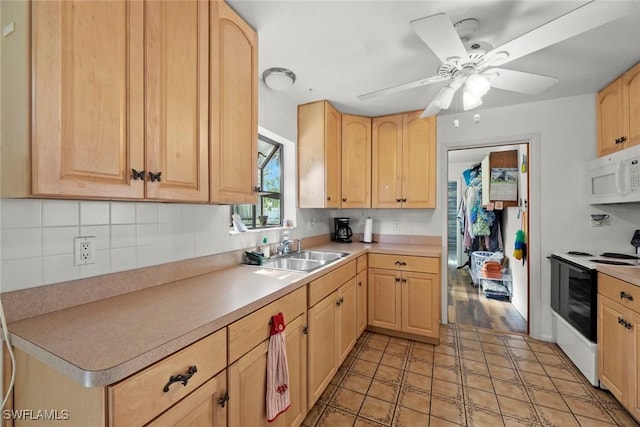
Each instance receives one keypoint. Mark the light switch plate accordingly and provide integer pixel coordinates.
(8, 29)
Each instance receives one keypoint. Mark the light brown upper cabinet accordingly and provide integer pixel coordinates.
(404, 161)
(356, 162)
(233, 107)
(618, 113)
(319, 152)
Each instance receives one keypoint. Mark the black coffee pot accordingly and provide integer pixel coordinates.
(343, 232)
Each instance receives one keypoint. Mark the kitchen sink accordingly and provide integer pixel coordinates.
(318, 255)
(304, 261)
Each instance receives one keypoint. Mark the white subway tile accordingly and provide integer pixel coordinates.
(21, 274)
(123, 259)
(147, 213)
(101, 266)
(188, 212)
(123, 213)
(60, 213)
(59, 268)
(58, 240)
(123, 236)
(100, 232)
(21, 243)
(21, 213)
(204, 213)
(94, 213)
(152, 255)
(169, 213)
(146, 234)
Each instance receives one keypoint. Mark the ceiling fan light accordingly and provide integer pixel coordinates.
(278, 78)
(469, 102)
(445, 96)
(477, 85)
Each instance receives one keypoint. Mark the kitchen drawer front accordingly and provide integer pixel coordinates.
(141, 397)
(361, 263)
(619, 291)
(251, 330)
(405, 263)
(325, 285)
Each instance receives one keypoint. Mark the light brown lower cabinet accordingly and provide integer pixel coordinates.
(361, 302)
(248, 382)
(619, 340)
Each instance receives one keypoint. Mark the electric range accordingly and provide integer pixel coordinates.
(591, 260)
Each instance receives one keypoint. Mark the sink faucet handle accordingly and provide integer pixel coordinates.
(299, 248)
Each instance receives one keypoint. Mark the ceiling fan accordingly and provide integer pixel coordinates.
(477, 69)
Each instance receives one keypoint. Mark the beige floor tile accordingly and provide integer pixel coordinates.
(375, 345)
(470, 344)
(347, 400)
(370, 355)
(555, 418)
(475, 367)
(439, 422)
(445, 360)
(491, 338)
(550, 359)
(377, 410)
(495, 349)
(481, 399)
(447, 349)
(314, 415)
(477, 417)
(481, 382)
(447, 374)
(570, 388)
(550, 399)
(399, 349)
(420, 367)
(447, 340)
(388, 374)
(511, 422)
(449, 410)
(562, 373)
(356, 382)
(400, 341)
(394, 360)
(364, 367)
(587, 408)
(619, 415)
(417, 382)
(537, 381)
(517, 409)
(520, 354)
(405, 417)
(468, 334)
(542, 347)
(333, 417)
(590, 422)
(414, 399)
(499, 360)
(423, 345)
(529, 366)
(516, 343)
(339, 376)
(506, 374)
(448, 329)
(379, 337)
(421, 354)
(446, 389)
(327, 394)
(363, 422)
(384, 391)
(513, 389)
(475, 355)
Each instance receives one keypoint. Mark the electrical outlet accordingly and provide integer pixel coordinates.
(396, 224)
(85, 250)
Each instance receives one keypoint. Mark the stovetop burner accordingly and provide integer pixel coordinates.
(579, 253)
(619, 256)
(610, 262)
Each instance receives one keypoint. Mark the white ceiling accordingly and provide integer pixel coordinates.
(342, 49)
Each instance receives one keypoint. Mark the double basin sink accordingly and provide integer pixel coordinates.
(304, 261)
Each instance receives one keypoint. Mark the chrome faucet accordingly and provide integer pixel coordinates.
(299, 248)
(284, 248)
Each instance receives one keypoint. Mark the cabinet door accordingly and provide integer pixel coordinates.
(614, 341)
(248, 382)
(177, 89)
(386, 152)
(356, 161)
(420, 304)
(347, 295)
(199, 409)
(233, 107)
(634, 374)
(333, 154)
(418, 161)
(384, 298)
(610, 118)
(88, 98)
(631, 81)
(322, 352)
(361, 302)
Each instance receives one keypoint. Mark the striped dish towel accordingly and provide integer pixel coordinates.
(278, 399)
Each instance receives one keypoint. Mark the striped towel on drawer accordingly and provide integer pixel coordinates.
(278, 399)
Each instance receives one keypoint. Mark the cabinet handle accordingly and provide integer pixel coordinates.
(137, 175)
(305, 329)
(397, 263)
(623, 139)
(624, 323)
(398, 200)
(339, 302)
(359, 283)
(397, 279)
(624, 295)
(184, 379)
(617, 140)
(224, 399)
(328, 198)
(344, 199)
(256, 189)
(155, 177)
(404, 280)
(404, 200)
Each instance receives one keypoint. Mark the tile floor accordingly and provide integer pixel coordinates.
(475, 377)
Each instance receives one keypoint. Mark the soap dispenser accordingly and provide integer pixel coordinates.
(265, 248)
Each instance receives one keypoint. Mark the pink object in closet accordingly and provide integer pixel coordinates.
(278, 399)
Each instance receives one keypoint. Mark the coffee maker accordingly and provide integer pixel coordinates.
(343, 232)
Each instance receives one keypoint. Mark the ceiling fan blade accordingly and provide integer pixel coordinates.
(438, 33)
(518, 81)
(402, 87)
(586, 17)
(431, 110)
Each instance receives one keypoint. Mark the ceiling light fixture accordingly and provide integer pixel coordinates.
(278, 78)
(445, 96)
(469, 102)
(477, 85)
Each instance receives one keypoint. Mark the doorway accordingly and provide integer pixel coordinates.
(497, 299)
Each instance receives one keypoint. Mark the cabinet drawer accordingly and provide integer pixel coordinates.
(320, 288)
(251, 330)
(619, 291)
(405, 262)
(361, 263)
(140, 398)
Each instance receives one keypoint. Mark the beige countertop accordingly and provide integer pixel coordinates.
(103, 342)
(626, 273)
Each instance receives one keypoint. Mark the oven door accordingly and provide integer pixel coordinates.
(574, 293)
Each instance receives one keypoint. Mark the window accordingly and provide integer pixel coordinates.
(268, 212)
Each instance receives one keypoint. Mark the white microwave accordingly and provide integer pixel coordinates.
(615, 178)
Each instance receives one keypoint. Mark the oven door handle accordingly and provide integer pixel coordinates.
(624, 295)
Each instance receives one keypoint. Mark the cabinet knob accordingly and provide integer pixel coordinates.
(328, 198)
(137, 175)
(155, 176)
(404, 200)
(184, 379)
(623, 139)
(344, 199)
(223, 399)
(624, 295)
(397, 279)
(359, 283)
(404, 280)
(398, 200)
(256, 189)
